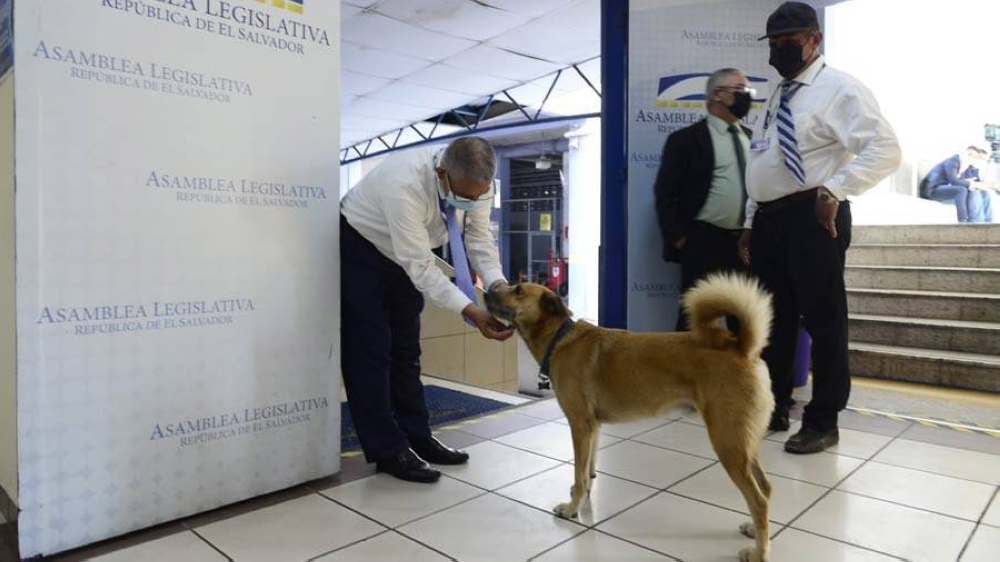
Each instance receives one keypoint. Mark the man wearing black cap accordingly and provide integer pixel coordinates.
(823, 139)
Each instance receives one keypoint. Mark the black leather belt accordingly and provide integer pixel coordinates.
(779, 204)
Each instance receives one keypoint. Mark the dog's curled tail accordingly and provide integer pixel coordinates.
(734, 294)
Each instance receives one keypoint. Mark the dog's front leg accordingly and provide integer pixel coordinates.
(582, 443)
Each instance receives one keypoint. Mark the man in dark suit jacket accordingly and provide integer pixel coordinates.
(700, 188)
(956, 180)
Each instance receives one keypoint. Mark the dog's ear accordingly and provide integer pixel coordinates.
(552, 304)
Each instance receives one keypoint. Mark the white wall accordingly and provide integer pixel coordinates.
(583, 170)
(8, 341)
(931, 73)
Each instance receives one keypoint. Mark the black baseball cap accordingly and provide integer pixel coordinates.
(791, 17)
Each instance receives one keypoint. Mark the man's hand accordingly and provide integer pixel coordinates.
(826, 210)
(681, 242)
(490, 327)
(744, 246)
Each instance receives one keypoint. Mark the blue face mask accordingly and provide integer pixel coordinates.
(461, 204)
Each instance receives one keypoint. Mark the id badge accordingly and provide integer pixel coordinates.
(760, 145)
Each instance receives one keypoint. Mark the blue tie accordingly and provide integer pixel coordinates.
(786, 133)
(463, 277)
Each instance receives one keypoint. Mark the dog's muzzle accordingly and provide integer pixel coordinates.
(496, 307)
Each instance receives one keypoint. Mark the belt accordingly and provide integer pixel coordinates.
(779, 204)
(717, 229)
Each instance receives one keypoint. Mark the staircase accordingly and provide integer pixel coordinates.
(924, 304)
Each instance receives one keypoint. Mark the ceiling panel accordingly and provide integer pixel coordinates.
(420, 96)
(533, 8)
(379, 63)
(457, 18)
(583, 16)
(558, 44)
(357, 84)
(403, 61)
(459, 80)
(375, 30)
(502, 63)
(368, 107)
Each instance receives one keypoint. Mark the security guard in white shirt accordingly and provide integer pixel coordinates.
(390, 223)
(823, 139)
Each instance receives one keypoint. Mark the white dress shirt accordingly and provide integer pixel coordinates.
(397, 207)
(845, 142)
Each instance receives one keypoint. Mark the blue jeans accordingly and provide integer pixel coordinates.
(980, 206)
(957, 195)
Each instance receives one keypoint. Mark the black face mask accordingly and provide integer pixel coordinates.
(787, 60)
(741, 105)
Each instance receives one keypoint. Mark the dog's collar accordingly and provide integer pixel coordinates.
(543, 371)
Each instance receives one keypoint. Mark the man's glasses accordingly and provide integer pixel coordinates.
(488, 196)
(739, 89)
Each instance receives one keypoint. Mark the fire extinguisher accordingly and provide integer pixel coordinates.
(558, 274)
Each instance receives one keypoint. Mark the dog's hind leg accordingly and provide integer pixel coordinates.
(583, 441)
(761, 477)
(593, 451)
(739, 463)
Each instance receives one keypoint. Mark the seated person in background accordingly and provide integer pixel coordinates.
(956, 181)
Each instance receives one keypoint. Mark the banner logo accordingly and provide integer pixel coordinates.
(687, 91)
(294, 6)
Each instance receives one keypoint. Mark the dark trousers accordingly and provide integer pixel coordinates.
(380, 348)
(708, 249)
(803, 267)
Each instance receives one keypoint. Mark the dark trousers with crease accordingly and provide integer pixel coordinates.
(380, 348)
(708, 249)
(802, 266)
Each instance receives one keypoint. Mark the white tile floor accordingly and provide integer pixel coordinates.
(660, 495)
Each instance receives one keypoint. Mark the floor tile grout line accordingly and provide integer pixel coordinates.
(838, 483)
(994, 498)
(979, 523)
(623, 539)
(483, 492)
(349, 545)
(963, 479)
(558, 544)
(423, 544)
(208, 542)
(908, 506)
(845, 542)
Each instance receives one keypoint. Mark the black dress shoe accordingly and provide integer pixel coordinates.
(408, 466)
(435, 452)
(779, 421)
(808, 441)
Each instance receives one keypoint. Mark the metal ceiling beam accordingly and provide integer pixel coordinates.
(469, 119)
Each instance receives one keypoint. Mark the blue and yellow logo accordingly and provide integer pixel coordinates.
(294, 6)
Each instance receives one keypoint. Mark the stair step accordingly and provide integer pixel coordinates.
(923, 278)
(935, 255)
(927, 333)
(940, 305)
(971, 371)
(927, 234)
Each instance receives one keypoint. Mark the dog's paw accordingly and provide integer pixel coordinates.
(748, 530)
(750, 554)
(565, 510)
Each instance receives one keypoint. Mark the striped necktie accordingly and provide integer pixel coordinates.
(786, 133)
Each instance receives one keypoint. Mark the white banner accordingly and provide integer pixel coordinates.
(177, 258)
(672, 51)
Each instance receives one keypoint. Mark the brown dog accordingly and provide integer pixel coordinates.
(601, 375)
